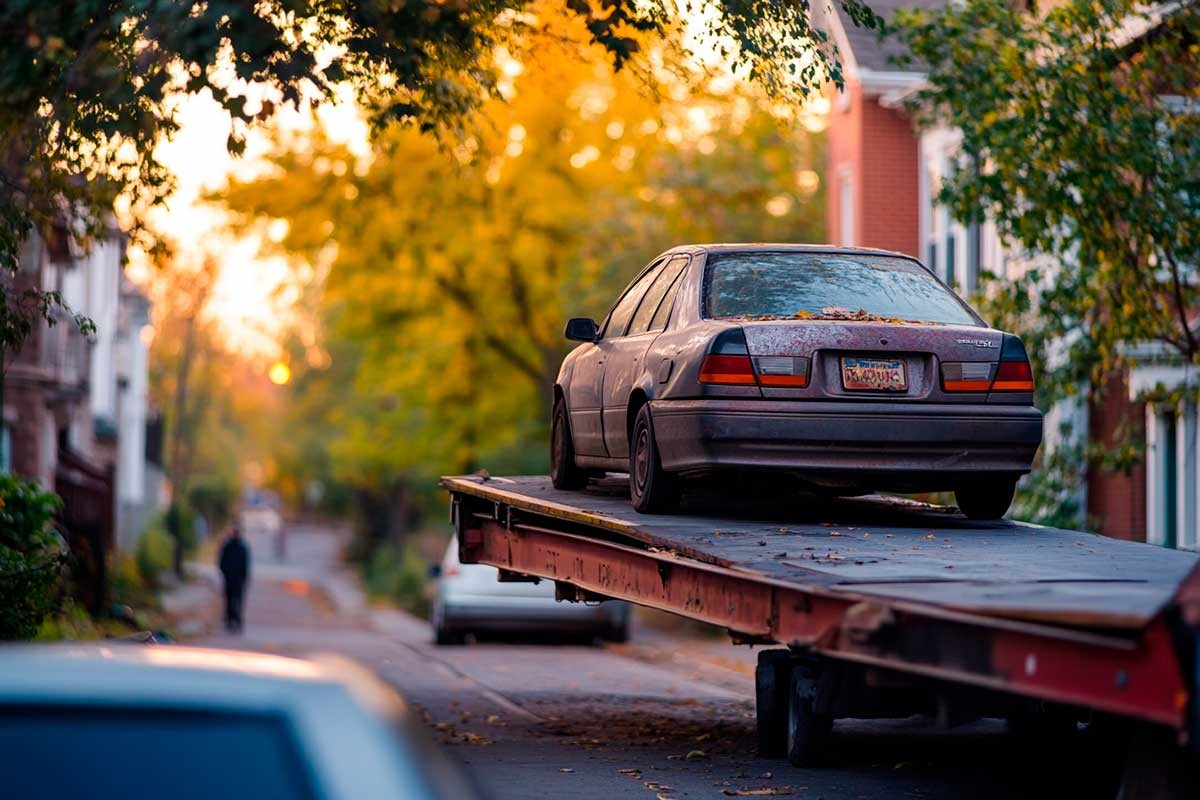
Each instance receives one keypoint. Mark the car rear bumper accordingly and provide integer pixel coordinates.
(528, 614)
(862, 437)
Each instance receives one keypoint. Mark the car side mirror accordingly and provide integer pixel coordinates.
(435, 571)
(581, 329)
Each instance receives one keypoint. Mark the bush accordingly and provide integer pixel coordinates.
(155, 552)
(32, 556)
(214, 501)
(399, 575)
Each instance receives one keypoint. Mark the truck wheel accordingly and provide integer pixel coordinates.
(564, 473)
(807, 731)
(986, 501)
(652, 490)
(771, 682)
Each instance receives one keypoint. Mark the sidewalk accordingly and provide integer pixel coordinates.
(311, 568)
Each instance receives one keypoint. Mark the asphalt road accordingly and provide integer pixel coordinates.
(663, 717)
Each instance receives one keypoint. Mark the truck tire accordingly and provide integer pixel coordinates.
(652, 490)
(807, 730)
(564, 473)
(772, 679)
(986, 500)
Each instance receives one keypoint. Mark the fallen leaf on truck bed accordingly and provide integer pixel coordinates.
(637, 773)
(766, 791)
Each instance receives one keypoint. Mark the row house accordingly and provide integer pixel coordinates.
(882, 176)
(75, 407)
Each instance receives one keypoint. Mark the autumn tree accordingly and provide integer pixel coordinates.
(447, 275)
(88, 88)
(1081, 141)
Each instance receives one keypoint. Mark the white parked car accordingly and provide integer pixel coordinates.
(471, 600)
(126, 722)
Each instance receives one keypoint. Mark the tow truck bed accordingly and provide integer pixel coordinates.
(1058, 616)
(893, 549)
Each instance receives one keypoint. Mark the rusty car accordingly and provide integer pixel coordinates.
(853, 370)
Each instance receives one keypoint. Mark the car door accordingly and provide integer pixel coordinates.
(624, 362)
(585, 390)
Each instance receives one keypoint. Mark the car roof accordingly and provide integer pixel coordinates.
(127, 674)
(786, 247)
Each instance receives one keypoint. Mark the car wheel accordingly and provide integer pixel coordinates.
(985, 501)
(617, 633)
(564, 473)
(651, 489)
(445, 636)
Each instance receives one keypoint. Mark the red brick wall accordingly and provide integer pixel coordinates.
(879, 147)
(889, 198)
(843, 138)
(1116, 500)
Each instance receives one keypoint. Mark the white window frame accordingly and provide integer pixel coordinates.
(847, 224)
(1187, 475)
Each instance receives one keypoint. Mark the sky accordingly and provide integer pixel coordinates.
(250, 299)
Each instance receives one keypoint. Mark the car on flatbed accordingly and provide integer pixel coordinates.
(855, 370)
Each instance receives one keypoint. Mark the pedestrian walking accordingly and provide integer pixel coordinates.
(234, 562)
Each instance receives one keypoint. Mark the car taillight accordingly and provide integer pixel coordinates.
(728, 361)
(968, 376)
(1012, 374)
(1015, 373)
(787, 371)
(727, 370)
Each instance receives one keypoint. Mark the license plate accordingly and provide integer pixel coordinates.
(873, 375)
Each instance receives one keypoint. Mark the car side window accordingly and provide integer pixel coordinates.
(648, 309)
(663, 314)
(618, 318)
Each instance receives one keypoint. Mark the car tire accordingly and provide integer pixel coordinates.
(617, 633)
(564, 473)
(985, 501)
(651, 489)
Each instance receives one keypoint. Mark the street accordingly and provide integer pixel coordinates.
(666, 716)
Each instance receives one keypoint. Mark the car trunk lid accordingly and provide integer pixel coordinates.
(871, 359)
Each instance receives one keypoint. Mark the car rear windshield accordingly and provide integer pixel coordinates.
(827, 286)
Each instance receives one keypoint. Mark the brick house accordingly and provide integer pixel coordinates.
(881, 177)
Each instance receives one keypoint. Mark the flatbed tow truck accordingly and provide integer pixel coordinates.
(884, 607)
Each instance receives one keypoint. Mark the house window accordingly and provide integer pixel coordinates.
(1172, 481)
(846, 207)
(951, 252)
(5, 449)
(973, 254)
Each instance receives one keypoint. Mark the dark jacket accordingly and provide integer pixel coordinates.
(235, 560)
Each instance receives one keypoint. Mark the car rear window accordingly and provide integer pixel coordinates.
(827, 286)
(48, 752)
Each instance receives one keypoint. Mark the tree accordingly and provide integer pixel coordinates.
(1081, 140)
(87, 88)
(446, 276)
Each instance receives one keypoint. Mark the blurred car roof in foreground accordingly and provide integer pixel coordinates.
(129, 721)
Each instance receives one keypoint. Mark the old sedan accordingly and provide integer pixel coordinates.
(855, 370)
